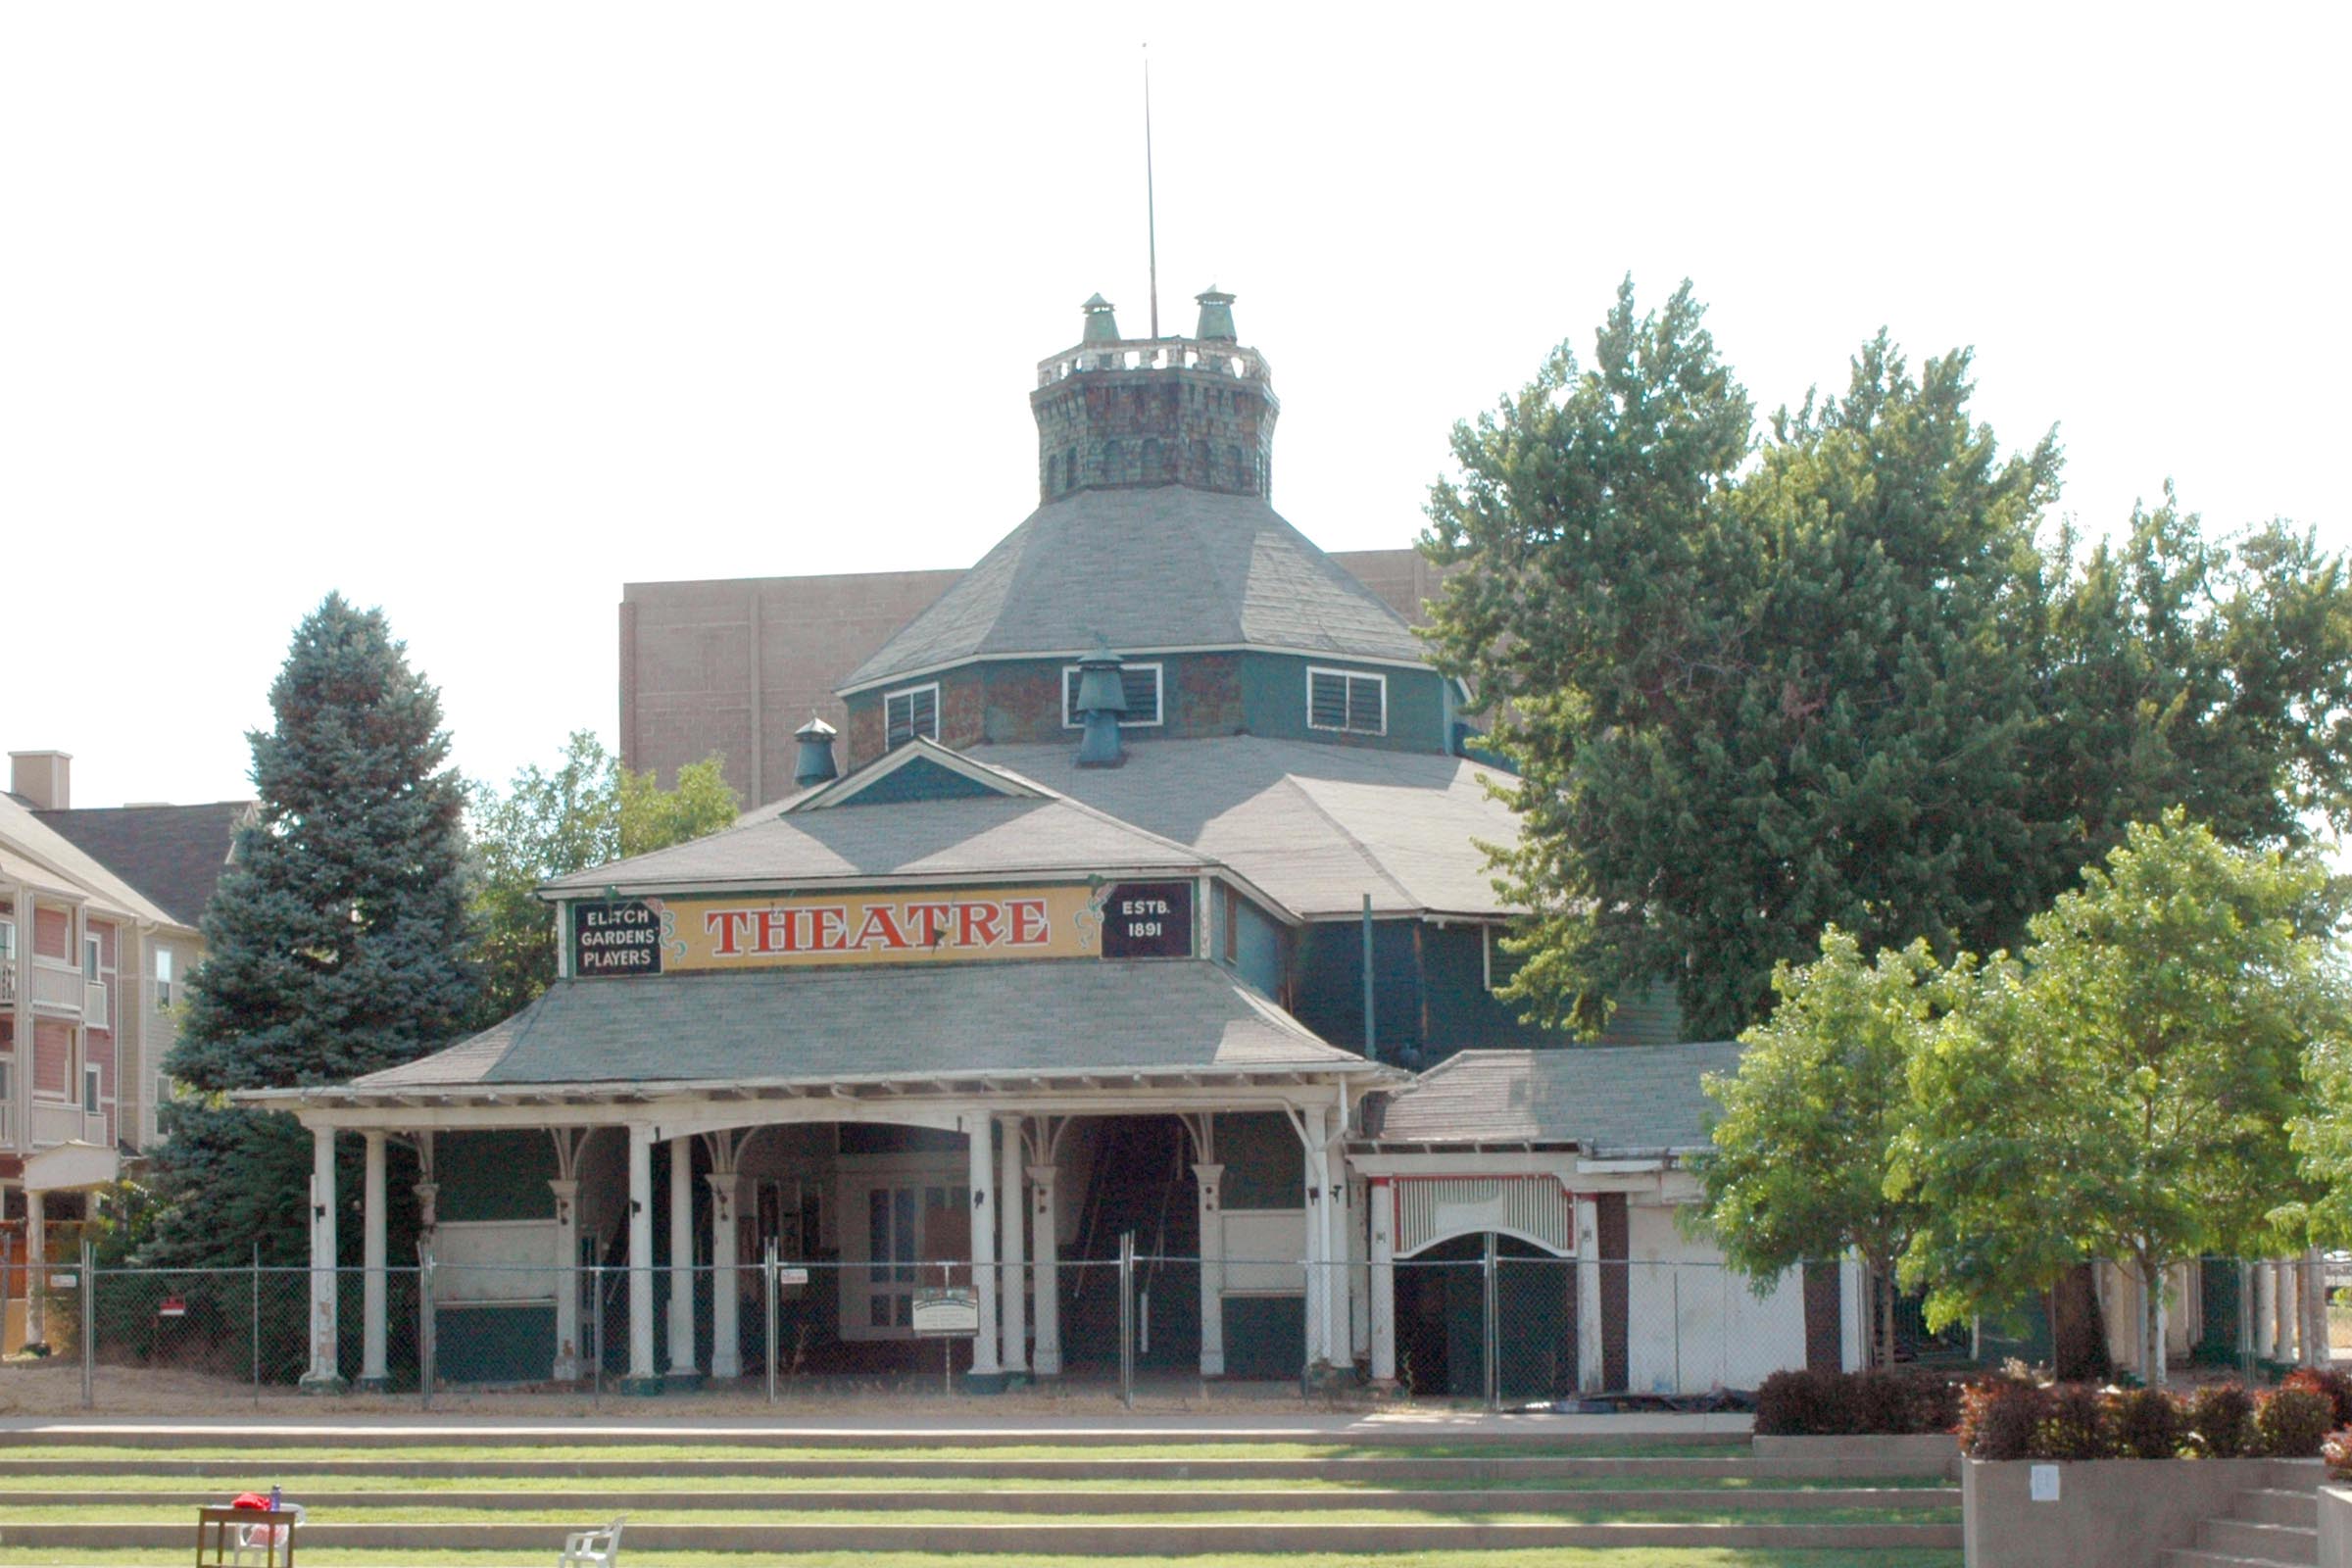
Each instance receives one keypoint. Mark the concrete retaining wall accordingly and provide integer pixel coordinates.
(2110, 1514)
(1933, 1454)
(2336, 1527)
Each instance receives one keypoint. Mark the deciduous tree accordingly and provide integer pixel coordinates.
(1844, 675)
(585, 811)
(1808, 1137)
(2122, 1088)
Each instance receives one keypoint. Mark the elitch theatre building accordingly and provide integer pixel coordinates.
(1140, 895)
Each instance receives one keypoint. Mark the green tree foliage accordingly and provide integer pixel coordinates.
(336, 942)
(2124, 1086)
(1757, 688)
(586, 811)
(1810, 1122)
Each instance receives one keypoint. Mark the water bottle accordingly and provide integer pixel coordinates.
(277, 1499)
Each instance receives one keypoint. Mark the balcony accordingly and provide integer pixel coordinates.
(8, 982)
(58, 988)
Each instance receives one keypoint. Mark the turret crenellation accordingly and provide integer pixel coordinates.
(1131, 412)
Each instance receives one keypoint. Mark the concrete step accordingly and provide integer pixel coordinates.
(1091, 1539)
(1396, 1435)
(2189, 1557)
(2264, 1542)
(290, 1460)
(613, 1501)
(2273, 1505)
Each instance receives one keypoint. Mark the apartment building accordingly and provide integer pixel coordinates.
(98, 931)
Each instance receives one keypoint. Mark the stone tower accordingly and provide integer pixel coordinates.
(1115, 412)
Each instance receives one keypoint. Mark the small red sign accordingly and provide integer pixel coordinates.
(173, 1307)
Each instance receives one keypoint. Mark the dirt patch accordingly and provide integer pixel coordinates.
(53, 1387)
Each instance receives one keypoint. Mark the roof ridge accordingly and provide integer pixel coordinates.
(1289, 781)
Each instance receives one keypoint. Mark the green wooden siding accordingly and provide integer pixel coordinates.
(488, 1176)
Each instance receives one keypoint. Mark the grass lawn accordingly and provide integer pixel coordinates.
(558, 1518)
(655, 1453)
(298, 1481)
(1572, 1557)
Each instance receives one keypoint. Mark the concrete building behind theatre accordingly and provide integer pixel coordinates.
(1137, 890)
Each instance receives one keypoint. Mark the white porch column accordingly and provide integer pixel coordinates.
(2316, 1348)
(325, 1373)
(1379, 1200)
(1589, 1370)
(1337, 1335)
(1042, 1212)
(2266, 1307)
(37, 1263)
(372, 1372)
(1318, 1238)
(1211, 1181)
(726, 1335)
(681, 1259)
(1013, 1255)
(979, 1130)
(568, 1278)
(641, 1255)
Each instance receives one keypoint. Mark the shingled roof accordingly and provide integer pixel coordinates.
(1146, 570)
(1603, 1099)
(172, 853)
(1067, 1017)
(997, 835)
(1315, 826)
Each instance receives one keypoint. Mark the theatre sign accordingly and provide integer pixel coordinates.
(656, 935)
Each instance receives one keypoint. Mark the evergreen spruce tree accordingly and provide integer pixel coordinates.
(337, 942)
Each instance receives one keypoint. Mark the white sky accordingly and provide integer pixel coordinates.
(478, 311)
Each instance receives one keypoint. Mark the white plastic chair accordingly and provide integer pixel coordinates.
(271, 1543)
(593, 1548)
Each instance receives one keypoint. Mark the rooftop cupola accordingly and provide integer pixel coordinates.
(1102, 326)
(1216, 316)
(1101, 703)
(1130, 414)
(814, 762)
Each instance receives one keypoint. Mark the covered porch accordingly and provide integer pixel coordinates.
(892, 1200)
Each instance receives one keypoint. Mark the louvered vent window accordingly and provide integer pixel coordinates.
(1139, 685)
(911, 712)
(1335, 699)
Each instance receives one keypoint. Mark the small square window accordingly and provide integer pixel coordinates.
(1342, 699)
(1139, 688)
(908, 714)
(1503, 966)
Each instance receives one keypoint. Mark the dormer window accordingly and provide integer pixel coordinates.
(1342, 699)
(1139, 685)
(911, 712)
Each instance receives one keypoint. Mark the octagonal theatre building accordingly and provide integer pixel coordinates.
(1139, 902)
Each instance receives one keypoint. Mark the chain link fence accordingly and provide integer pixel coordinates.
(1493, 1327)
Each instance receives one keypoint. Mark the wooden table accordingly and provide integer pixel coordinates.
(222, 1522)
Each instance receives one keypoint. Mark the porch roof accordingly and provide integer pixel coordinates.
(1074, 1022)
(1607, 1099)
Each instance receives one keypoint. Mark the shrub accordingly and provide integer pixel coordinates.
(1804, 1403)
(1798, 1404)
(2147, 1424)
(2337, 1452)
(2292, 1423)
(2334, 1386)
(2221, 1415)
(1934, 1404)
(1999, 1418)
(2075, 1425)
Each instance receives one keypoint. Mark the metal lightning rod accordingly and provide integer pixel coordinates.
(1151, 200)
